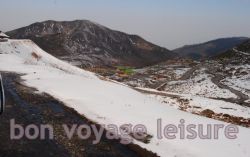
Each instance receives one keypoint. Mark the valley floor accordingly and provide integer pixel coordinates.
(209, 88)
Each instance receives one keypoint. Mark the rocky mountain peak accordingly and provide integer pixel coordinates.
(85, 43)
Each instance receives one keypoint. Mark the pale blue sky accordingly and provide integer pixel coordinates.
(168, 23)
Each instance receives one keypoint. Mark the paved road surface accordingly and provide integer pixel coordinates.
(29, 108)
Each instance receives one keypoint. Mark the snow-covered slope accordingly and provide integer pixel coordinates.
(107, 102)
(239, 79)
(200, 85)
(30, 54)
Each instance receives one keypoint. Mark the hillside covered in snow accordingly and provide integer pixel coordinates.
(108, 102)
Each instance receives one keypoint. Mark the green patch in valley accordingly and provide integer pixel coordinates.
(126, 70)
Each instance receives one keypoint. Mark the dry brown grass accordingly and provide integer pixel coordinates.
(36, 56)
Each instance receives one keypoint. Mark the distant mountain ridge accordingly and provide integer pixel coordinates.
(88, 44)
(210, 48)
(240, 54)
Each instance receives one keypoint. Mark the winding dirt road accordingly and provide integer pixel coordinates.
(241, 97)
(216, 79)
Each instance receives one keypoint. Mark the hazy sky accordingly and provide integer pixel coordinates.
(168, 23)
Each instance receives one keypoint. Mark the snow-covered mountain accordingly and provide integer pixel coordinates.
(88, 44)
(108, 102)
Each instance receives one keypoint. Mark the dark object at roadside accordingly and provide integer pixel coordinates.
(2, 97)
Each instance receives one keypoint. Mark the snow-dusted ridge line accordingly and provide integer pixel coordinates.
(237, 51)
(107, 102)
